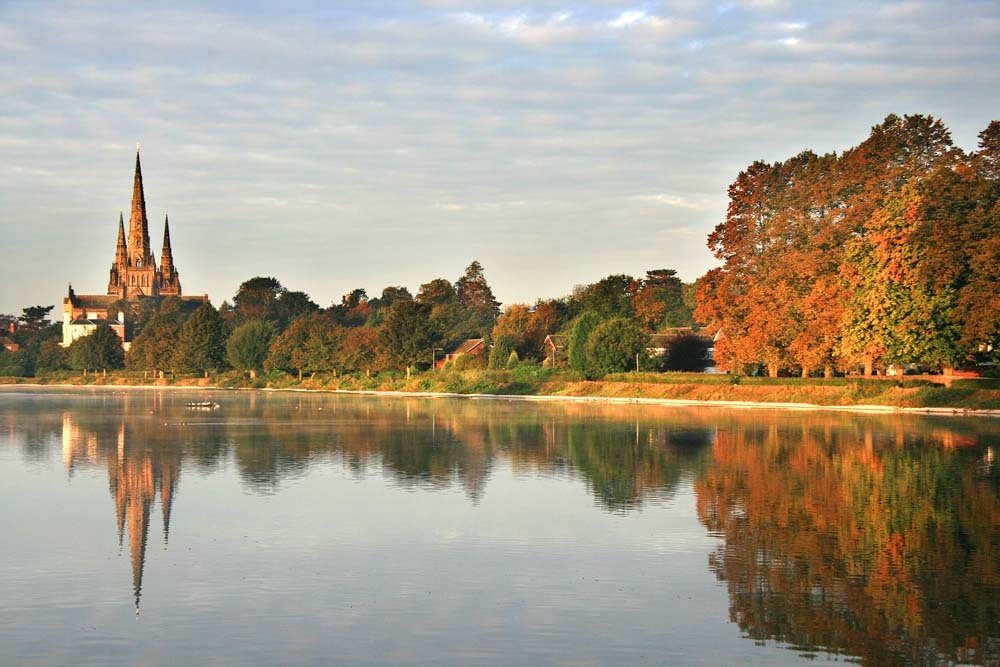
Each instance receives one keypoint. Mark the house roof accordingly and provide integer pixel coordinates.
(558, 341)
(467, 346)
(92, 300)
(662, 339)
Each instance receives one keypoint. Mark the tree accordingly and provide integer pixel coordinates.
(609, 297)
(613, 347)
(266, 299)
(155, 346)
(392, 294)
(436, 292)
(248, 345)
(15, 364)
(34, 318)
(291, 306)
(201, 343)
(476, 298)
(257, 298)
(100, 349)
(284, 353)
(659, 302)
(407, 336)
(522, 330)
(503, 345)
(578, 338)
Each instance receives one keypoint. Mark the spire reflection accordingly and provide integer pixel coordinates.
(137, 475)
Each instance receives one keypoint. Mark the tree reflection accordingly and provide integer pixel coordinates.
(623, 454)
(866, 537)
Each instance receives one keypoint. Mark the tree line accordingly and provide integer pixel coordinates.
(267, 327)
(884, 255)
(887, 254)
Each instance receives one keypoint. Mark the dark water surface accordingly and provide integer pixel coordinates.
(299, 529)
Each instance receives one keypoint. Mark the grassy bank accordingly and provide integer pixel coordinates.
(965, 394)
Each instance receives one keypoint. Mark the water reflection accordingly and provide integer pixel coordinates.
(138, 472)
(624, 457)
(869, 539)
(876, 538)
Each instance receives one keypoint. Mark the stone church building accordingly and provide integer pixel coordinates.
(134, 275)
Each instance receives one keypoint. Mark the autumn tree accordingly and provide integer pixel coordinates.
(659, 302)
(522, 330)
(803, 280)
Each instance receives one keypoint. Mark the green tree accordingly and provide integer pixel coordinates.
(248, 345)
(264, 298)
(609, 297)
(476, 298)
(100, 349)
(613, 346)
(503, 345)
(35, 318)
(154, 348)
(201, 343)
(15, 364)
(284, 353)
(407, 336)
(582, 328)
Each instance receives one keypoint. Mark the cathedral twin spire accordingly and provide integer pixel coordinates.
(134, 272)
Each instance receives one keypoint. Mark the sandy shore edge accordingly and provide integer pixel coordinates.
(607, 400)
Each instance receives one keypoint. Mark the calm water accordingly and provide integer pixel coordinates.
(321, 529)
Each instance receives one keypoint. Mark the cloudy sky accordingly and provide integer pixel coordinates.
(342, 145)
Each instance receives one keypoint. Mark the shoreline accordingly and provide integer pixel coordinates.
(609, 400)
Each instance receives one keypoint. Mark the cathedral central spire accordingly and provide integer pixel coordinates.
(139, 253)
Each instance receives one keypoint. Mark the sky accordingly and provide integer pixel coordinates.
(341, 145)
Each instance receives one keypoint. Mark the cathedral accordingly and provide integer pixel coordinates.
(134, 274)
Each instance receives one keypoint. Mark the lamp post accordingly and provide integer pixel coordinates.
(433, 350)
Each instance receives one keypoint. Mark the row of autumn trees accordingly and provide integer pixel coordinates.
(267, 327)
(886, 254)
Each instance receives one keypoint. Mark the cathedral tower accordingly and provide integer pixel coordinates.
(134, 272)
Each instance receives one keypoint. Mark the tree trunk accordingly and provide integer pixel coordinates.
(828, 372)
(253, 373)
(869, 363)
(772, 370)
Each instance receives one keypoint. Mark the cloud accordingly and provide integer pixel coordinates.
(670, 200)
(488, 123)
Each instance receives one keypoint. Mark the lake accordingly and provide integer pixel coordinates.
(314, 529)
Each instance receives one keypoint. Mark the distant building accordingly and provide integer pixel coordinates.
(9, 344)
(134, 275)
(471, 346)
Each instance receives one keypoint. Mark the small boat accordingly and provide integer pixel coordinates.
(202, 405)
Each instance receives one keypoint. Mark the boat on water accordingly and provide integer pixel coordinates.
(202, 405)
